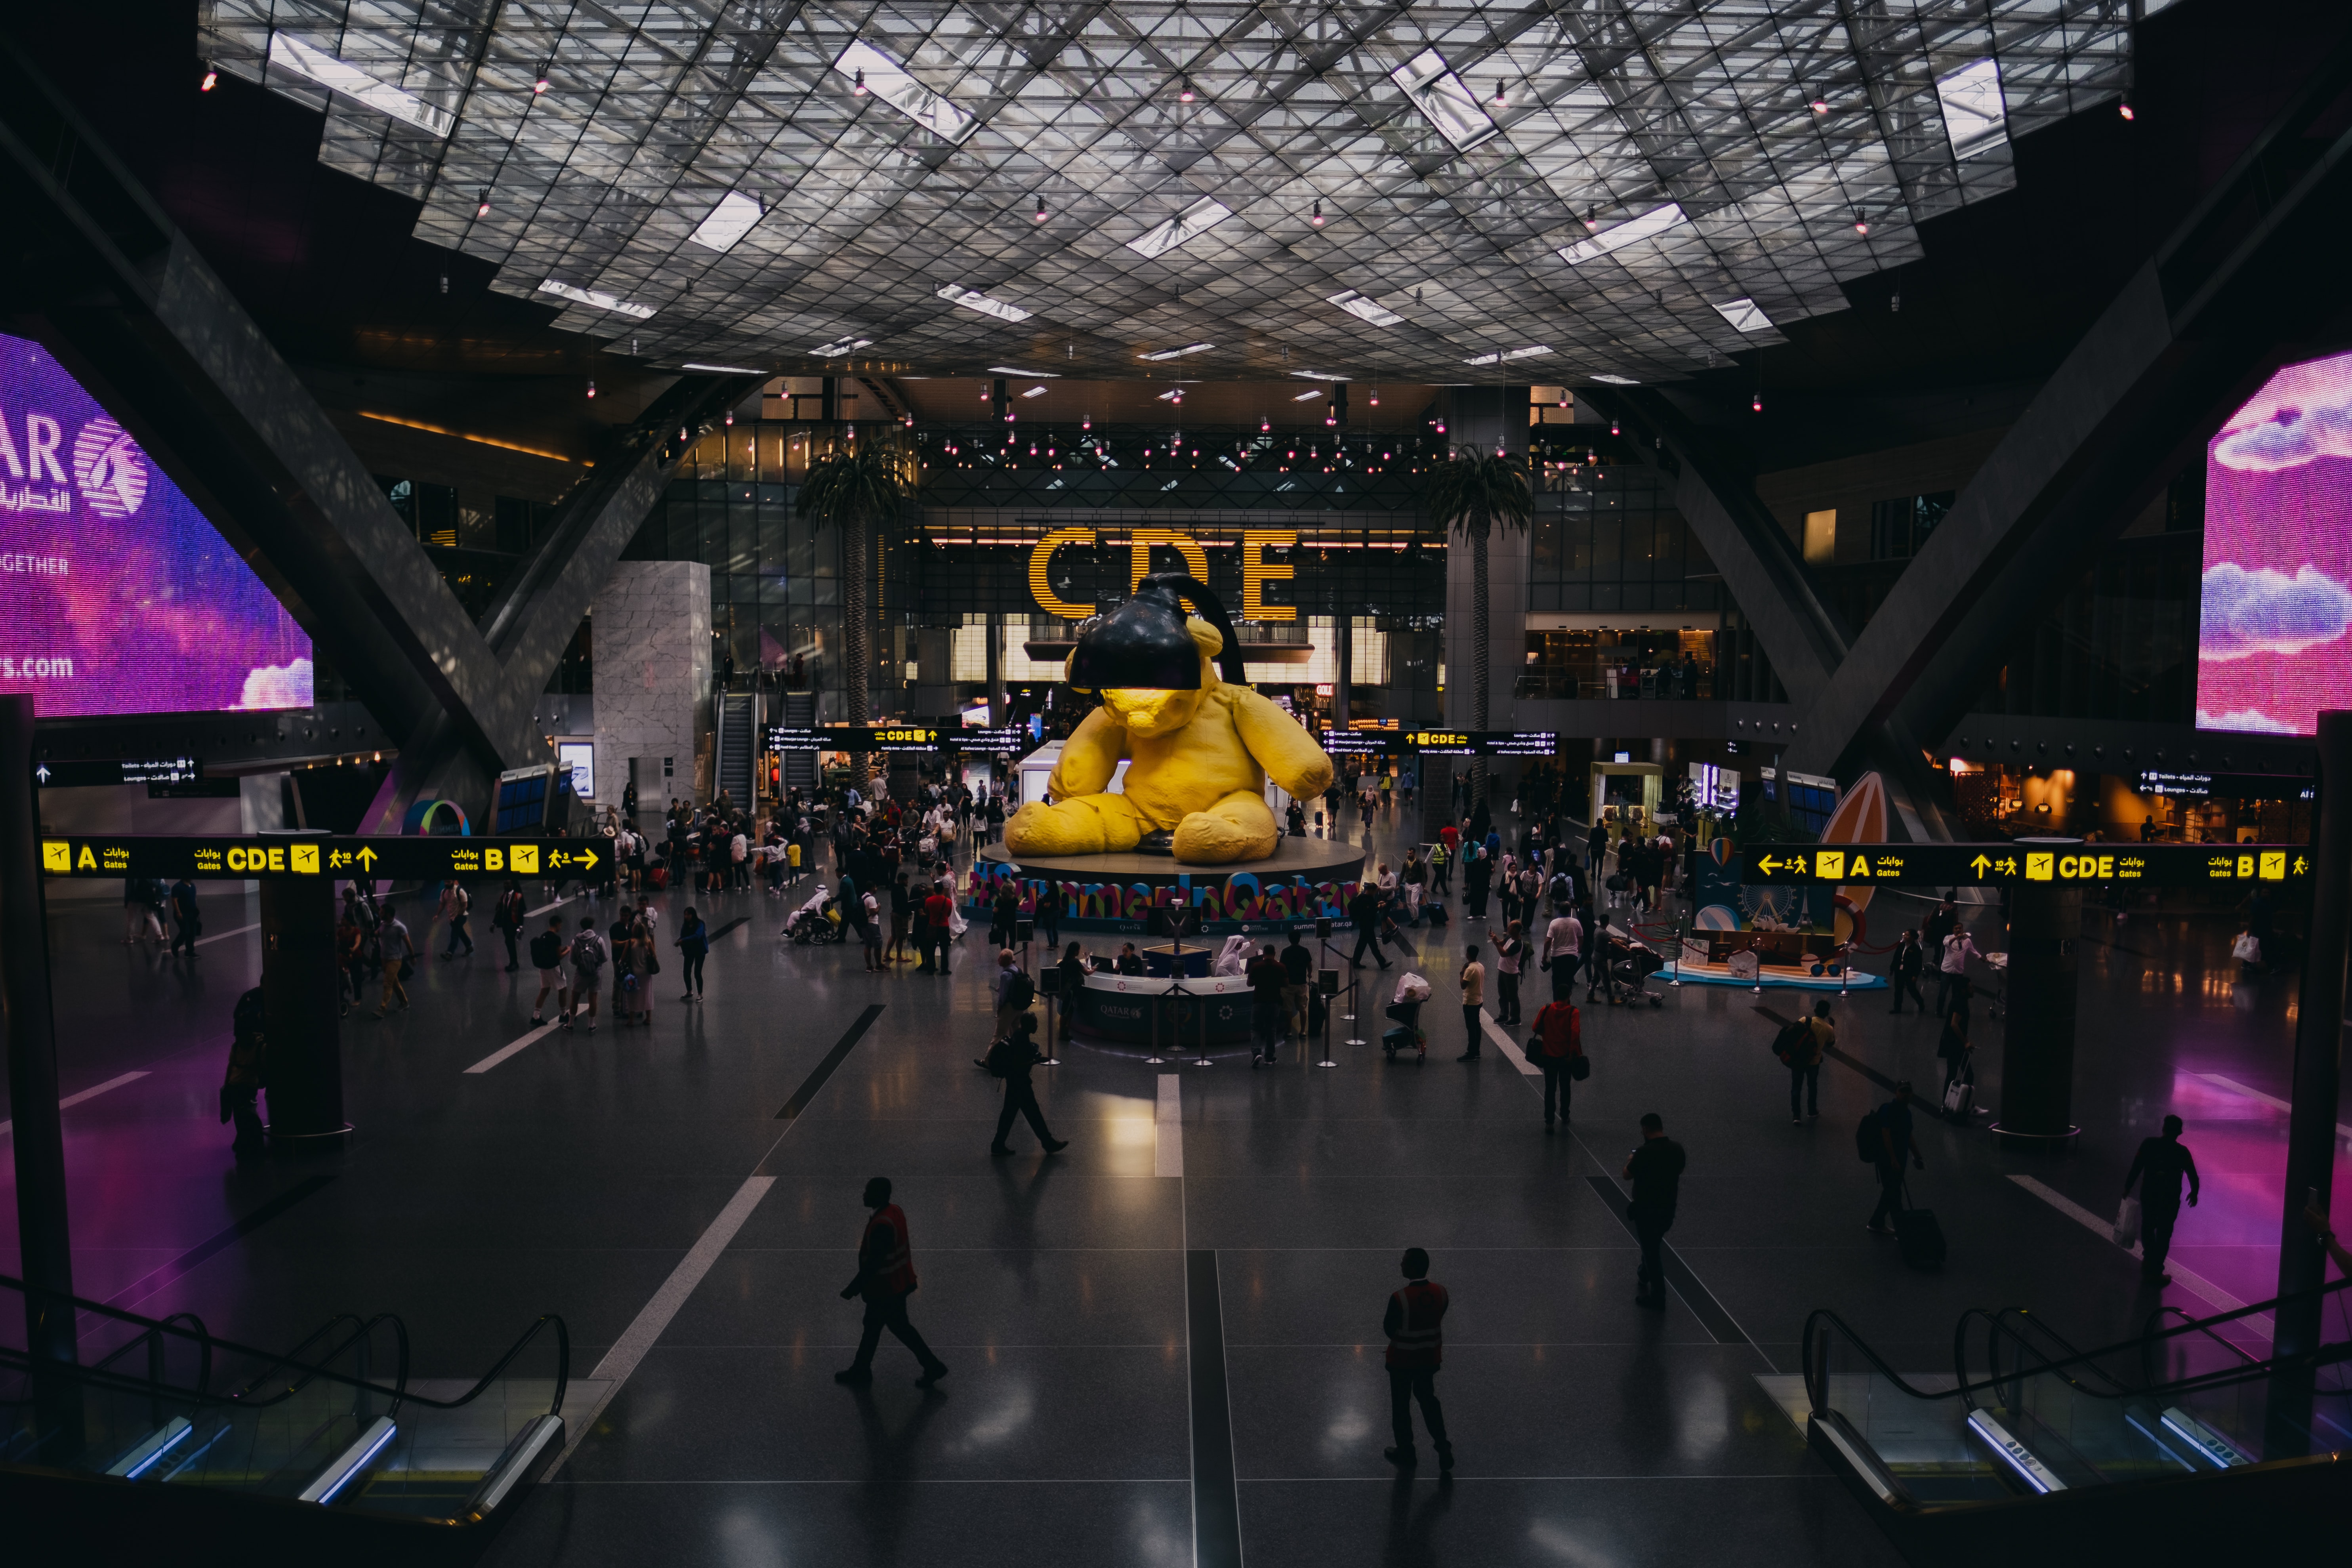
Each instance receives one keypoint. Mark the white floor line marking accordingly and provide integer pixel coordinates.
(1504, 1044)
(2273, 1101)
(649, 1324)
(224, 936)
(2196, 1284)
(503, 1052)
(86, 1094)
(534, 914)
(1168, 1127)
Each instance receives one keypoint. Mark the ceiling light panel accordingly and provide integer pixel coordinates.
(1745, 315)
(1016, 370)
(1534, 351)
(842, 346)
(1034, 391)
(597, 300)
(656, 160)
(1310, 396)
(1178, 353)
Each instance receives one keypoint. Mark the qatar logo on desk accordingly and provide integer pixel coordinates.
(109, 468)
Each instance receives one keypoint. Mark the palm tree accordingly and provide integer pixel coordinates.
(853, 488)
(1472, 494)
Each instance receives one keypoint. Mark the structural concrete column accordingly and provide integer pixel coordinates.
(302, 995)
(2037, 1064)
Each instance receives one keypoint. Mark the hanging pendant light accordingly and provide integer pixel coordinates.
(857, 86)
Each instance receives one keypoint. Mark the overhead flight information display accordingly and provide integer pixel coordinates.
(927, 738)
(406, 857)
(116, 594)
(1430, 742)
(1993, 865)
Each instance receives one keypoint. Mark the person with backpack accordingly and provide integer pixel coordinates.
(1010, 1058)
(248, 1075)
(1557, 1046)
(693, 945)
(1656, 1169)
(1885, 1139)
(1563, 950)
(588, 961)
(507, 917)
(1800, 1046)
(547, 950)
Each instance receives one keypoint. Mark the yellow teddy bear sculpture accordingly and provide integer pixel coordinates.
(1197, 764)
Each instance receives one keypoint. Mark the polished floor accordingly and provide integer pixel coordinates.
(1172, 1331)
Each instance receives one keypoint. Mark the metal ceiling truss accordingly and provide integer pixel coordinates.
(701, 180)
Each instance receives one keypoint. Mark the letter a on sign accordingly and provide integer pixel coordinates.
(88, 862)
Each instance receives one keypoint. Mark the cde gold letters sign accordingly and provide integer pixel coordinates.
(1256, 570)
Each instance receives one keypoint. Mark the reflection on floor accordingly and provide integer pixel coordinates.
(578, 1173)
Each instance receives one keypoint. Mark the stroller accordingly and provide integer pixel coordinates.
(1406, 1010)
(817, 921)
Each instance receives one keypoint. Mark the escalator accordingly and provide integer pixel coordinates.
(800, 767)
(738, 745)
(164, 1441)
(2034, 1451)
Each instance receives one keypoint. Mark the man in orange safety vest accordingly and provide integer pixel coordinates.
(886, 1277)
(1416, 1347)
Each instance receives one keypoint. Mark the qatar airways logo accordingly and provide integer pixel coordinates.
(109, 469)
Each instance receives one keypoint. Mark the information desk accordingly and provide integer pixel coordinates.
(1119, 1010)
(1782, 947)
(1160, 961)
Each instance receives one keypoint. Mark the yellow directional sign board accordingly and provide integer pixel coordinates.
(401, 858)
(1993, 865)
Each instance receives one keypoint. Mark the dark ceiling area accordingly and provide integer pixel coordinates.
(376, 318)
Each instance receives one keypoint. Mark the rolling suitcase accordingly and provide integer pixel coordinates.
(1917, 1234)
(1960, 1099)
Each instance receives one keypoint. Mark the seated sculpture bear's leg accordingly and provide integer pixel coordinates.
(1087, 824)
(1239, 826)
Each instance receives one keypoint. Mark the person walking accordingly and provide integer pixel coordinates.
(1013, 991)
(1958, 950)
(187, 920)
(1563, 948)
(1903, 973)
(2158, 1168)
(588, 961)
(1656, 1169)
(902, 914)
(1268, 1015)
(247, 1075)
(457, 904)
(693, 946)
(1558, 1041)
(939, 908)
(1010, 1058)
(1892, 1121)
(885, 1279)
(506, 919)
(1477, 878)
(1413, 1324)
(350, 951)
(1473, 996)
(1804, 1061)
(395, 952)
(1510, 953)
(868, 910)
(1364, 909)
(141, 910)
(1953, 1046)
(548, 952)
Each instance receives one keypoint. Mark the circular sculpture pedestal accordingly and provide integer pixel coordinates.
(1304, 878)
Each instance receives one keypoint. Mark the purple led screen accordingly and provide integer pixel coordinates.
(2277, 595)
(116, 596)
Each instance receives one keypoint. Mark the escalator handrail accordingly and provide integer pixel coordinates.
(1997, 1326)
(277, 1362)
(364, 1331)
(204, 1366)
(2320, 1356)
(2148, 1341)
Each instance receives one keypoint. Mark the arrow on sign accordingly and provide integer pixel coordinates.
(1981, 865)
(366, 857)
(587, 857)
(42, 772)
(1768, 865)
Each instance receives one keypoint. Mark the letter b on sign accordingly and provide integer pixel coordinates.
(494, 859)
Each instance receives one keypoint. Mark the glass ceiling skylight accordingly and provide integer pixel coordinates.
(654, 162)
(1180, 230)
(1366, 308)
(597, 300)
(1441, 95)
(1649, 225)
(1745, 315)
(974, 299)
(291, 54)
(1974, 118)
(729, 221)
(888, 80)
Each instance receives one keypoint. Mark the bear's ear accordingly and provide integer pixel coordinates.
(1067, 659)
(1211, 643)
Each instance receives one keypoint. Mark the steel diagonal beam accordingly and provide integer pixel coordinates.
(2253, 274)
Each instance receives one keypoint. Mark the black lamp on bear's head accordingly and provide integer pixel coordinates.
(1142, 643)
